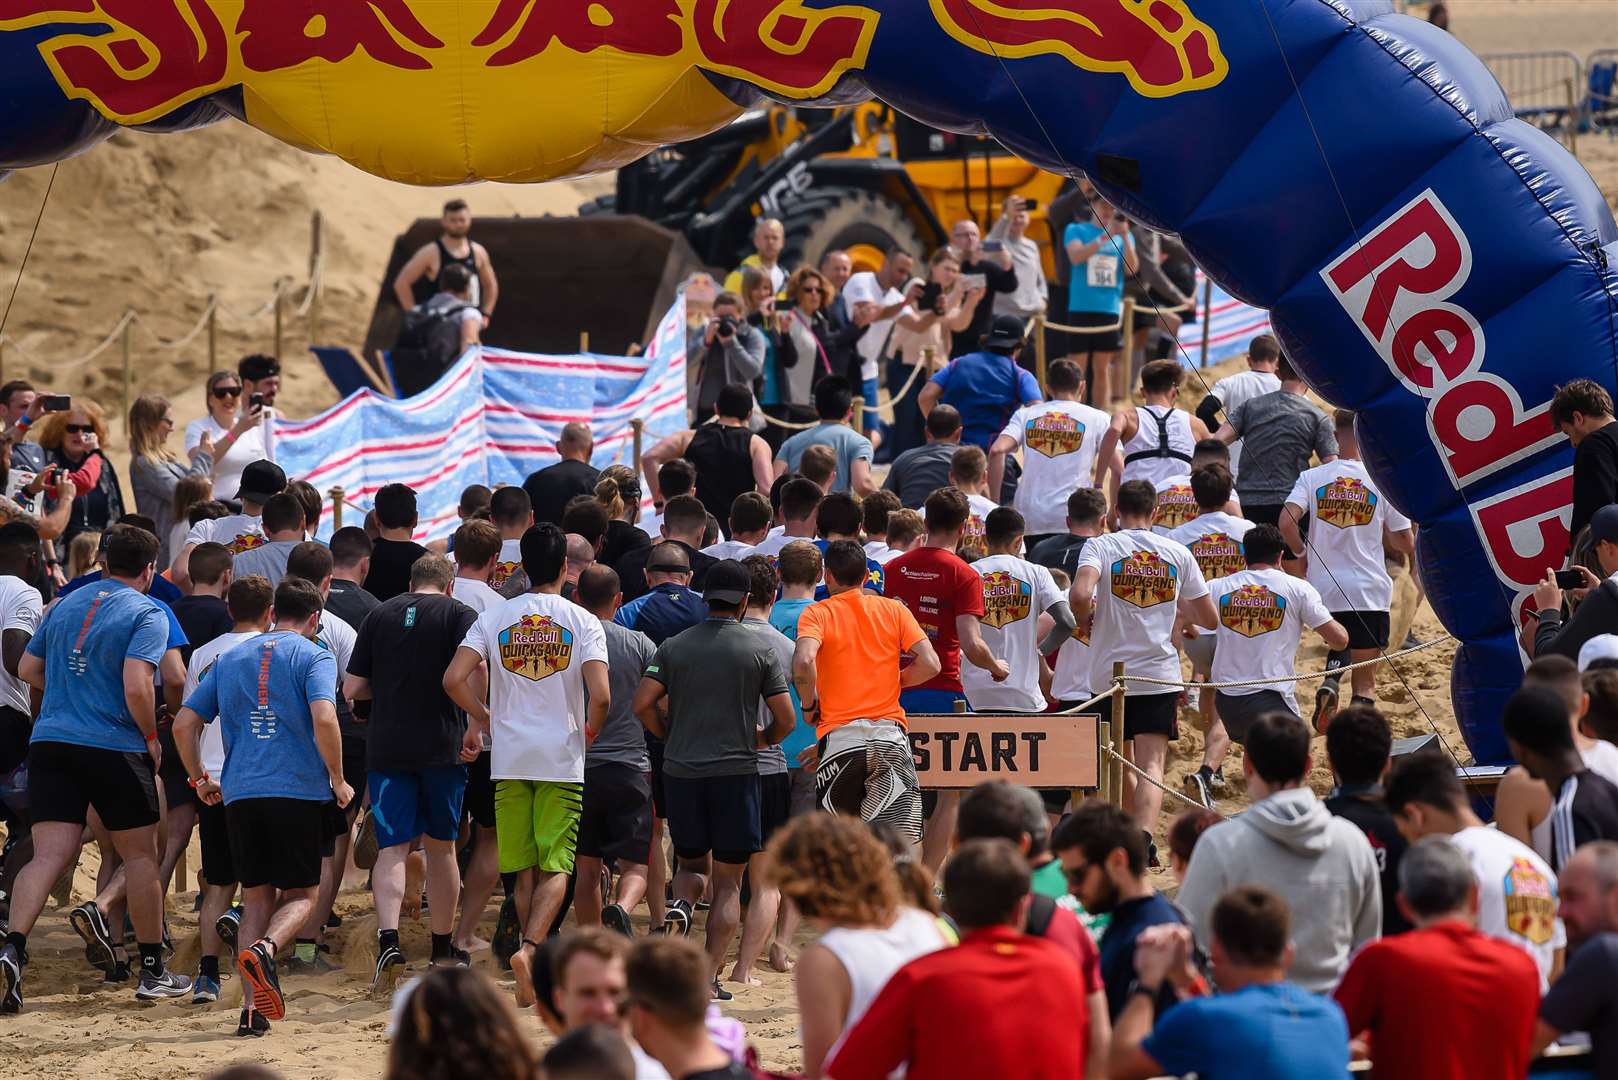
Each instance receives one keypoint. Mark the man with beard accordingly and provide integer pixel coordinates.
(1103, 853)
(454, 247)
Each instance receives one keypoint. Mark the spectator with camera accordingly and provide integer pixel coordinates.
(1582, 410)
(1010, 231)
(876, 298)
(725, 350)
(1597, 613)
(801, 356)
(990, 271)
(921, 337)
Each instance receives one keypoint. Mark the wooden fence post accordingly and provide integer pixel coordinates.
(317, 245)
(129, 326)
(584, 341)
(213, 332)
(1206, 316)
(637, 433)
(1114, 765)
(859, 415)
(278, 320)
(336, 494)
(1124, 385)
(1041, 359)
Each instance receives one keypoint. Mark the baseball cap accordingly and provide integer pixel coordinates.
(1005, 332)
(260, 480)
(1600, 647)
(1604, 524)
(728, 582)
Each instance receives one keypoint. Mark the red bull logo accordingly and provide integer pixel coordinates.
(1530, 902)
(1252, 610)
(1054, 434)
(1218, 555)
(1345, 503)
(1145, 580)
(161, 54)
(1006, 599)
(1175, 506)
(1158, 45)
(536, 647)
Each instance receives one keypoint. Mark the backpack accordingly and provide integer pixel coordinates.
(431, 331)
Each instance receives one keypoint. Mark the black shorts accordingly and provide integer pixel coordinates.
(714, 813)
(615, 821)
(1086, 344)
(277, 841)
(1055, 799)
(660, 802)
(1366, 629)
(478, 800)
(337, 823)
(65, 780)
(1238, 711)
(213, 834)
(15, 729)
(1152, 714)
(774, 804)
(177, 789)
(1057, 342)
(354, 772)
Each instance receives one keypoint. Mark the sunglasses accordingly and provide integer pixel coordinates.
(223, 392)
(78, 429)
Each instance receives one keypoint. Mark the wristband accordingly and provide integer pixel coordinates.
(195, 784)
(24, 422)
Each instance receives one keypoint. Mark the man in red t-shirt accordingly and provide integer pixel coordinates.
(1443, 1001)
(1000, 810)
(946, 597)
(999, 1004)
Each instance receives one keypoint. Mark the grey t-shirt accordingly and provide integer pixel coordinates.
(849, 445)
(918, 473)
(1279, 431)
(623, 740)
(772, 760)
(1585, 998)
(717, 674)
(269, 560)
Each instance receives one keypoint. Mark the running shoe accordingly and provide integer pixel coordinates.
(616, 918)
(1216, 783)
(204, 990)
(1197, 787)
(720, 993)
(228, 924)
(10, 980)
(88, 922)
(456, 958)
(1325, 705)
(389, 966)
(116, 975)
(170, 984)
(295, 965)
(365, 843)
(333, 921)
(263, 986)
(677, 920)
(252, 1025)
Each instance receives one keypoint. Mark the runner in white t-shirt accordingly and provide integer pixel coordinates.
(1214, 538)
(543, 654)
(477, 550)
(21, 609)
(1259, 379)
(1352, 529)
(512, 512)
(1517, 890)
(261, 480)
(1059, 439)
(1015, 593)
(1139, 585)
(1177, 503)
(969, 471)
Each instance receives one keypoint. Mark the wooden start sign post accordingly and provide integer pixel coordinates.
(963, 750)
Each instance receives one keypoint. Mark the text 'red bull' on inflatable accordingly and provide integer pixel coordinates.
(1429, 260)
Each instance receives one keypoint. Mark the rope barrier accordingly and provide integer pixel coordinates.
(1083, 705)
(128, 317)
(264, 309)
(1296, 676)
(1119, 325)
(184, 339)
(1136, 769)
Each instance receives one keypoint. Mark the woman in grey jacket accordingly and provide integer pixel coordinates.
(154, 470)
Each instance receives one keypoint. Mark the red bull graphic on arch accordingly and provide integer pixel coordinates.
(1427, 259)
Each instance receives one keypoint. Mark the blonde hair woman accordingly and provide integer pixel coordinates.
(618, 489)
(842, 880)
(155, 470)
(72, 441)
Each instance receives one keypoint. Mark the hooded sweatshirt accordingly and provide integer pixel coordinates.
(1320, 864)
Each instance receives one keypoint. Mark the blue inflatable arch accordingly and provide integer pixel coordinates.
(1429, 260)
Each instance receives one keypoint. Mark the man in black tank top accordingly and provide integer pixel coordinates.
(730, 460)
(453, 247)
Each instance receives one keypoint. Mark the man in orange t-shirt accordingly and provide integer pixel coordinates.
(849, 666)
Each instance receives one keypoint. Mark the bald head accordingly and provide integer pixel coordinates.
(580, 553)
(598, 590)
(668, 562)
(576, 442)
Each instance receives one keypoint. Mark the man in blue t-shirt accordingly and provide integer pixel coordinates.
(1101, 252)
(987, 386)
(1259, 1027)
(95, 745)
(275, 697)
(834, 404)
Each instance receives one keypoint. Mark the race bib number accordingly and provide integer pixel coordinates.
(1101, 271)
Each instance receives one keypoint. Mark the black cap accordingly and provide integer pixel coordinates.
(728, 582)
(260, 481)
(1005, 332)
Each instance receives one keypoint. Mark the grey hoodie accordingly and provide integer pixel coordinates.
(1320, 864)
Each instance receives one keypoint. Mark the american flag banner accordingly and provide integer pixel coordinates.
(1230, 324)
(492, 419)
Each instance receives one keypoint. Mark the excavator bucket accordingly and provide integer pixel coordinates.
(606, 275)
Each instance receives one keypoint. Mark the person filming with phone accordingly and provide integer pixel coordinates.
(1591, 587)
(730, 351)
(1011, 231)
(990, 271)
(73, 440)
